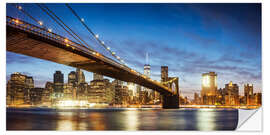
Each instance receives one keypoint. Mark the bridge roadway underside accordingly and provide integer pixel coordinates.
(26, 43)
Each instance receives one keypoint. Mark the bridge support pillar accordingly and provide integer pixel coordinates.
(170, 101)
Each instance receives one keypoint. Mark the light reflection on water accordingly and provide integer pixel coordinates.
(206, 120)
(121, 119)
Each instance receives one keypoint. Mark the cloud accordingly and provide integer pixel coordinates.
(17, 58)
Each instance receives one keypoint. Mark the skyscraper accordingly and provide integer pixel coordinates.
(99, 92)
(248, 91)
(146, 70)
(232, 91)
(80, 78)
(29, 84)
(121, 93)
(209, 88)
(72, 78)
(164, 73)
(58, 83)
(47, 94)
(16, 89)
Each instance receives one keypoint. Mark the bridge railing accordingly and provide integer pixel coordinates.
(46, 33)
(57, 38)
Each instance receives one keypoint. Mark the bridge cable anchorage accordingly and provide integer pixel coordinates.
(27, 14)
(96, 36)
(47, 10)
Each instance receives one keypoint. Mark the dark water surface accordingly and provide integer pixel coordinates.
(121, 119)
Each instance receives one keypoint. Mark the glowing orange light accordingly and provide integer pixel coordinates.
(66, 40)
(17, 21)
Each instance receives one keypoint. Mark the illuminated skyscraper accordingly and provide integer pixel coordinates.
(209, 88)
(146, 67)
(29, 84)
(150, 94)
(72, 78)
(164, 73)
(209, 84)
(100, 92)
(80, 78)
(47, 94)
(232, 93)
(58, 84)
(36, 96)
(248, 91)
(16, 88)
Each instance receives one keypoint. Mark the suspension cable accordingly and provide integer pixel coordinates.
(44, 6)
(96, 36)
(27, 14)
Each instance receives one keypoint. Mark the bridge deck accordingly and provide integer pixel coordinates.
(36, 45)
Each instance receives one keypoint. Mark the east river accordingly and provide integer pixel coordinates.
(121, 119)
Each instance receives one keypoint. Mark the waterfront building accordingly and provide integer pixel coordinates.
(68, 91)
(209, 88)
(196, 100)
(121, 96)
(99, 92)
(258, 98)
(47, 94)
(232, 91)
(18, 89)
(248, 92)
(82, 90)
(58, 85)
(36, 96)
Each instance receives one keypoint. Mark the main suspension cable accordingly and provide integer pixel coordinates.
(58, 19)
(96, 36)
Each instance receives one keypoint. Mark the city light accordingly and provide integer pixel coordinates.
(50, 30)
(17, 21)
(66, 40)
(206, 81)
(72, 103)
(40, 23)
(97, 36)
(82, 19)
(20, 7)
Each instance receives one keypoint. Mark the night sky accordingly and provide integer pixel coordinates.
(190, 39)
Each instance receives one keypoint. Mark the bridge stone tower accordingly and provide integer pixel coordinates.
(170, 101)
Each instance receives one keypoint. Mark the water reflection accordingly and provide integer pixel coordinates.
(65, 125)
(122, 119)
(132, 120)
(206, 119)
(97, 121)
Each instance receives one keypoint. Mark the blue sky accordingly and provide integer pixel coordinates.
(189, 38)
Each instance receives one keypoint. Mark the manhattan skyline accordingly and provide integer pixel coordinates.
(188, 38)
